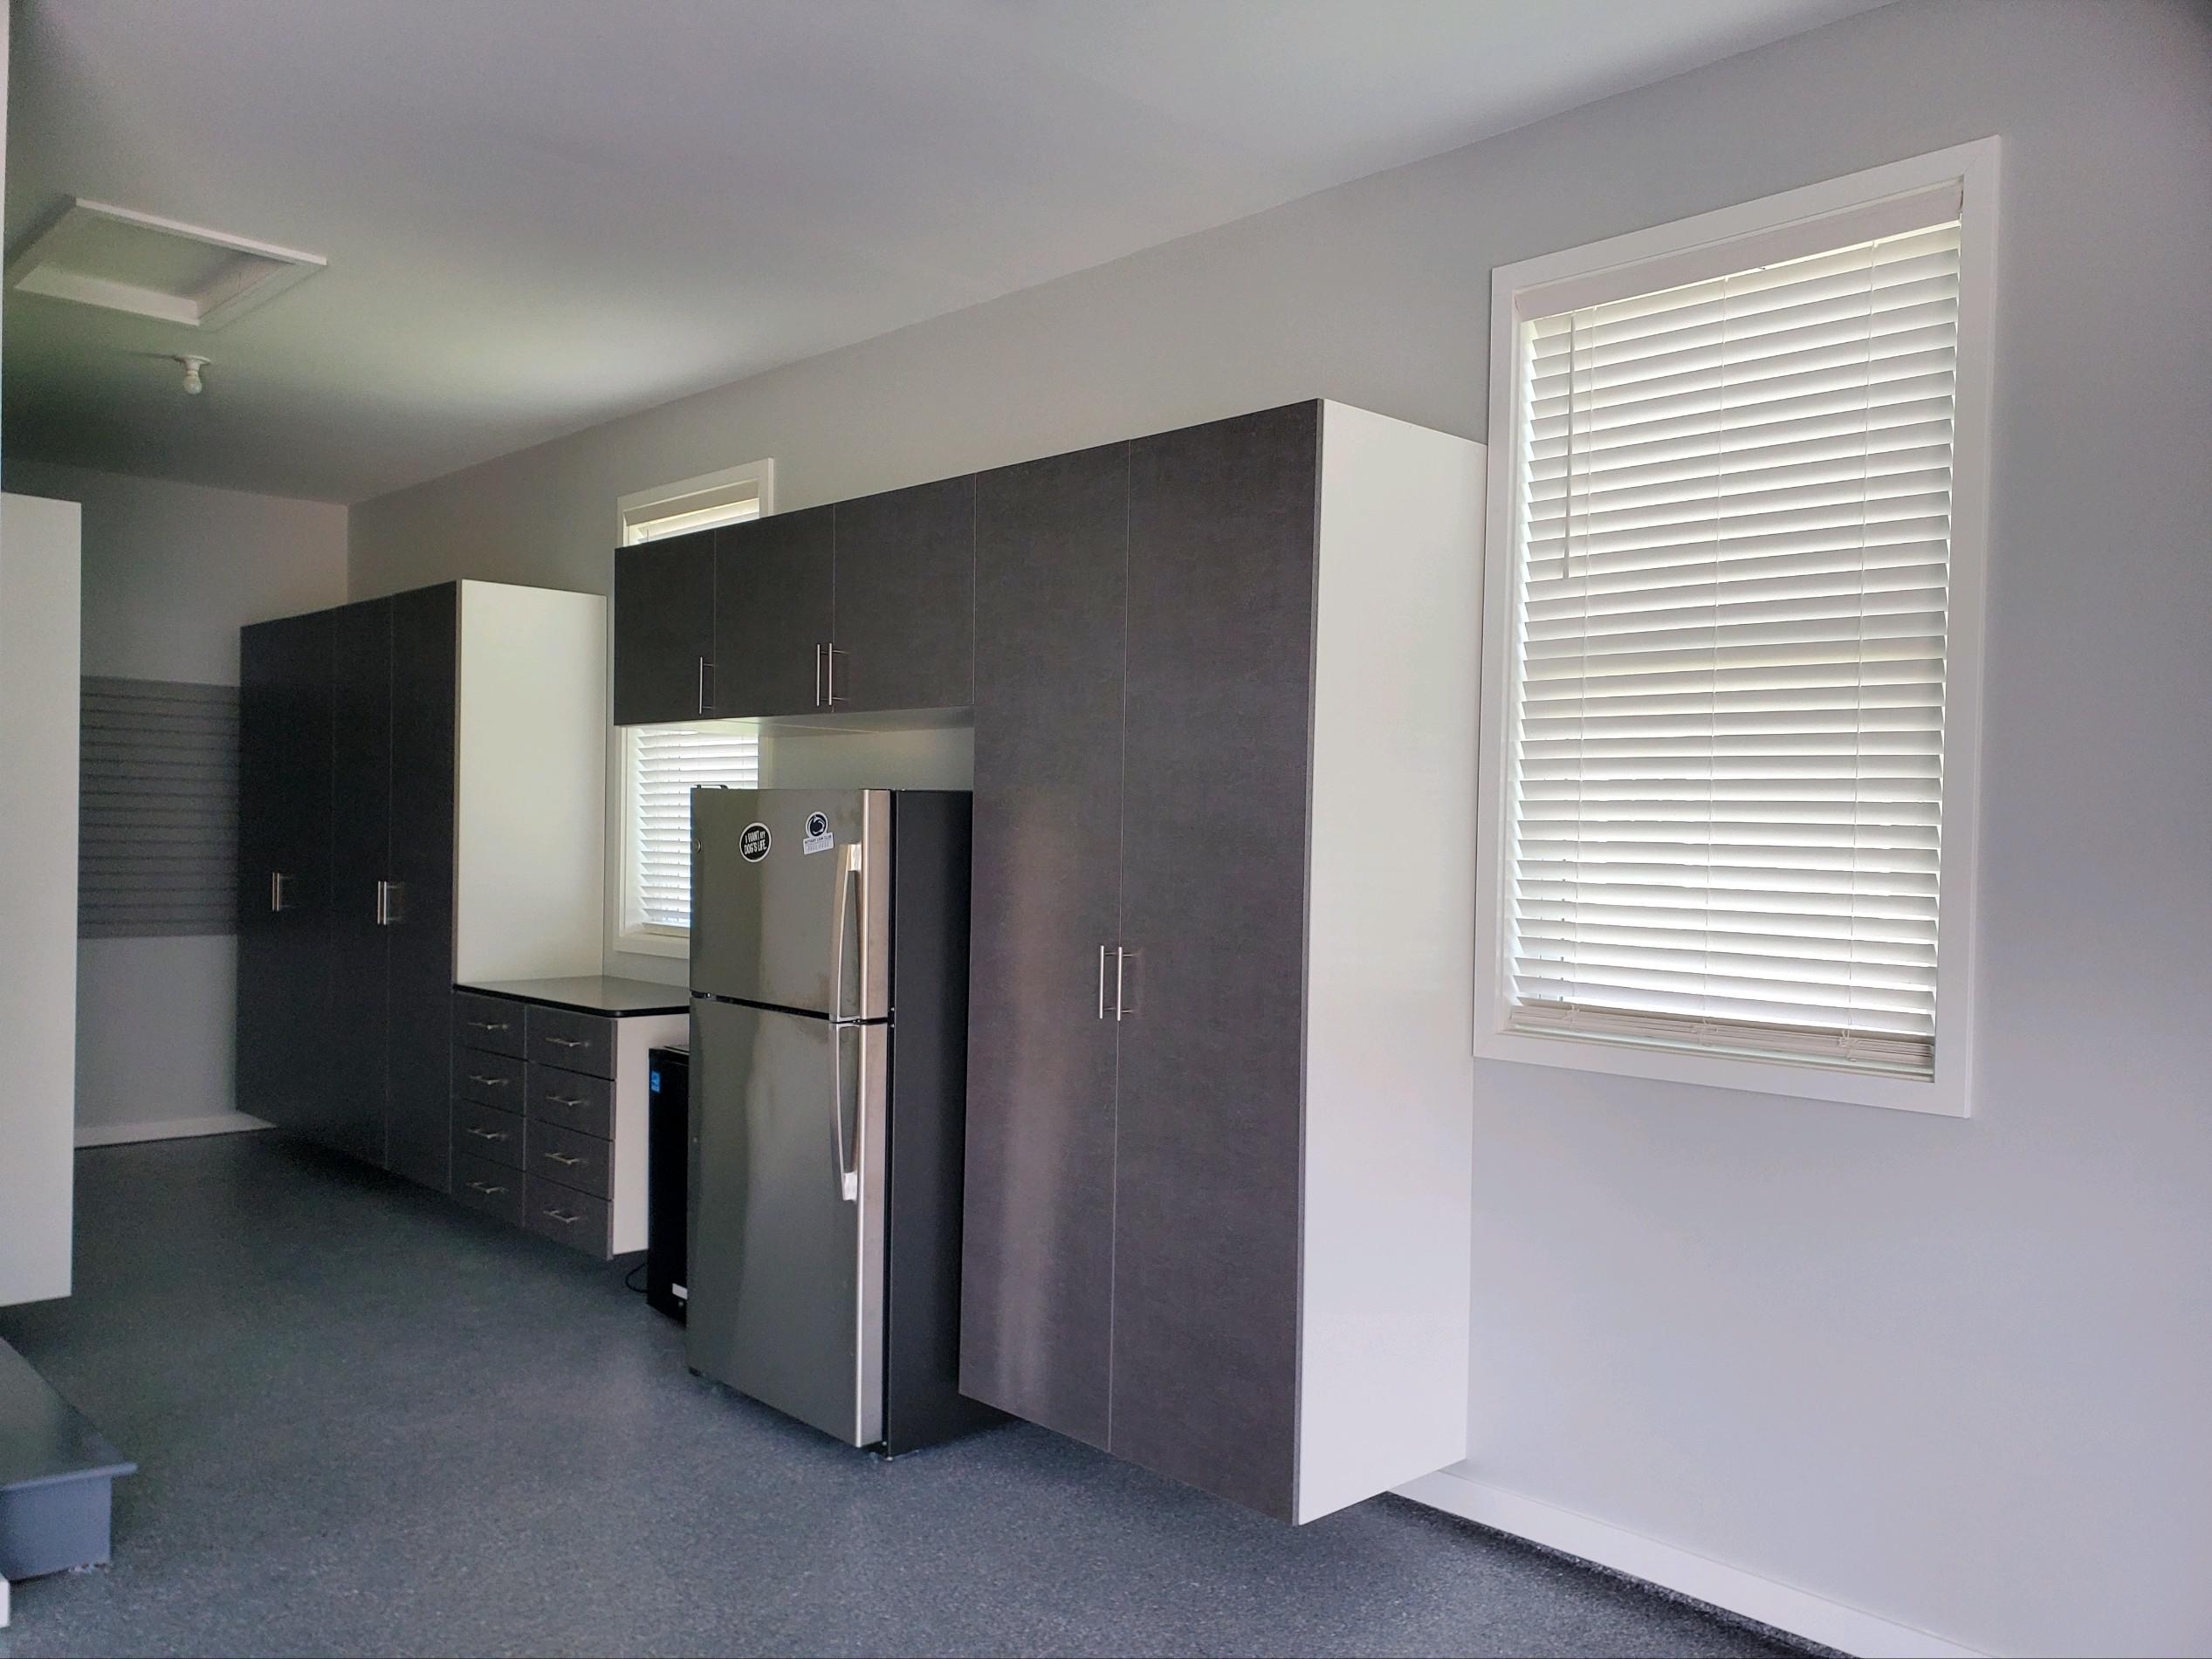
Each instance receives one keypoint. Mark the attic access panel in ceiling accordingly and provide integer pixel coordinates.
(101, 255)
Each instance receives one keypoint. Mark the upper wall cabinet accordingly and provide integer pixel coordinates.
(772, 581)
(903, 630)
(664, 630)
(864, 607)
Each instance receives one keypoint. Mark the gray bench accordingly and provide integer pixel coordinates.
(56, 1475)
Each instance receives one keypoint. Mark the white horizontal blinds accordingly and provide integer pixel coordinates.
(1728, 756)
(703, 511)
(666, 764)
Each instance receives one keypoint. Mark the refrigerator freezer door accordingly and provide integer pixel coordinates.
(789, 914)
(787, 1300)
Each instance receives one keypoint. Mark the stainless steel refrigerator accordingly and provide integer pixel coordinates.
(829, 1082)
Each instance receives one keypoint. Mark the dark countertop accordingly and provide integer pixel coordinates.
(591, 994)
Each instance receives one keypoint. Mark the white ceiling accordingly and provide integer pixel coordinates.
(541, 213)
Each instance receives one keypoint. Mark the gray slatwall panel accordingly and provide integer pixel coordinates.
(158, 812)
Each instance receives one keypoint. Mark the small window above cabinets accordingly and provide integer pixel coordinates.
(865, 607)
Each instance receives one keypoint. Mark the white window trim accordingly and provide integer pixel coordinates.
(625, 933)
(1515, 294)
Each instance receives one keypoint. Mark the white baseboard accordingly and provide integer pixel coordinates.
(1786, 1608)
(116, 1134)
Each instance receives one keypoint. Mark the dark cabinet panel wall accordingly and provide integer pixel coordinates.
(346, 765)
(284, 860)
(360, 808)
(664, 629)
(1049, 597)
(1221, 576)
(904, 616)
(772, 585)
(419, 930)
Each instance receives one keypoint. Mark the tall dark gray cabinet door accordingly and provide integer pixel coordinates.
(1222, 573)
(771, 614)
(353, 1119)
(1038, 1273)
(904, 627)
(284, 867)
(419, 920)
(664, 630)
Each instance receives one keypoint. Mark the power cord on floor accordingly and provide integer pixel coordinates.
(627, 1278)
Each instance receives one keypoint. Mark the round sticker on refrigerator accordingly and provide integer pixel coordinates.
(817, 823)
(754, 844)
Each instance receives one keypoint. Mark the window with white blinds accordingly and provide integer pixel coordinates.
(1725, 756)
(666, 763)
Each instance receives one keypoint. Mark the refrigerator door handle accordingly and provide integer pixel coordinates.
(847, 1167)
(848, 878)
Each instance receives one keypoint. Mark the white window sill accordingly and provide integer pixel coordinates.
(638, 942)
(1943, 1095)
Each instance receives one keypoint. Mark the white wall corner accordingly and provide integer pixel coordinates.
(1801, 1613)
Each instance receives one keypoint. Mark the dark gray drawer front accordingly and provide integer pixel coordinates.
(573, 1042)
(574, 1218)
(572, 1101)
(488, 1187)
(481, 1131)
(574, 1160)
(494, 1080)
(490, 1023)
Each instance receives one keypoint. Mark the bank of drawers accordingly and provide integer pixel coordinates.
(534, 1118)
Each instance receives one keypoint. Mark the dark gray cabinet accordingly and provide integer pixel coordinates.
(1220, 1096)
(347, 732)
(1217, 694)
(419, 907)
(664, 645)
(284, 860)
(773, 587)
(866, 607)
(354, 1097)
(1050, 591)
(903, 621)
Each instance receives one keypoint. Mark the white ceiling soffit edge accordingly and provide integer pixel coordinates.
(97, 254)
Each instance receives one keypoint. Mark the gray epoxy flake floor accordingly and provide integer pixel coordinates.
(367, 1422)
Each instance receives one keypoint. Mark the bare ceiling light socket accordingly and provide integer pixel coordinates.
(193, 383)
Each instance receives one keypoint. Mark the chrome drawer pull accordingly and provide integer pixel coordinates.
(488, 1082)
(488, 1191)
(569, 1042)
(566, 1099)
(486, 1134)
(560, 1216)
(489, 1024)
(566, 1164)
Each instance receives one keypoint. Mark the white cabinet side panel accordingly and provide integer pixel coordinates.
(635, 1036)
(40, 587)
(531, 812)
(1390, 1093)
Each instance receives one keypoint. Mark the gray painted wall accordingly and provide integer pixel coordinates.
(1952, 1373)
(171, 572)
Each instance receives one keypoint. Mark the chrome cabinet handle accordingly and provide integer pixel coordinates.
(391, 903)
(1101, 982)
(566, 1099)
(486, 1134)
(277, 890)
(706, 668)
(489, 1024)
(817, 676)
(487, 1190)
(560, 1216)
(830, 659)
(565, 1163)
(1122, 1009)
(569, 1042)
(488, 1082)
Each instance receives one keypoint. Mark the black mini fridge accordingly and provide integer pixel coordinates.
(668, 1157)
